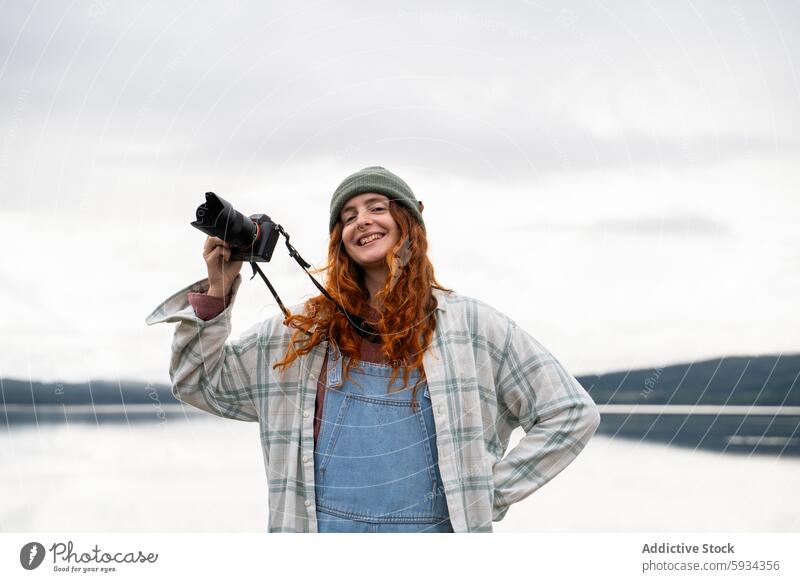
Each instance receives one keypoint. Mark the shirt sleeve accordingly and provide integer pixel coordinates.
(558, 416)
(205, 371)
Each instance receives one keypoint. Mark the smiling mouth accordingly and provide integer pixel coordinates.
(369, 239)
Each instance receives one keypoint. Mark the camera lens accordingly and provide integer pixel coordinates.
(218, 218)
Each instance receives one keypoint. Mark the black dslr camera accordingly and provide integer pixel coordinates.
(252, 238)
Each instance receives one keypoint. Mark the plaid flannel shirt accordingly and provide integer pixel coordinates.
(486, 377)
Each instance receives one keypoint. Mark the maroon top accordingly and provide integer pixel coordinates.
(207, 307)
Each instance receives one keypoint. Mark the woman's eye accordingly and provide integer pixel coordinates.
(348, 219)
(378, 208)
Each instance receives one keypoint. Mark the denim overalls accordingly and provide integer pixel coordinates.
(375, 463)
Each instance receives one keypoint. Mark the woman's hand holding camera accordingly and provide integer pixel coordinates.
(221, 270)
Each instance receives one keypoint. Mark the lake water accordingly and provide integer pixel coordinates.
(179, 476)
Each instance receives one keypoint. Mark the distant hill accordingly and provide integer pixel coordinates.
(758, 380)
(749, 381)
(93, 392)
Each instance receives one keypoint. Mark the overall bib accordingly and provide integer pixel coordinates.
(375, 463)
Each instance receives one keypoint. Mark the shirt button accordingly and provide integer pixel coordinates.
(307, 503)
(305, 458)
(305, 414)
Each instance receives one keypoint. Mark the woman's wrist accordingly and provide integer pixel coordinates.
(217, 291)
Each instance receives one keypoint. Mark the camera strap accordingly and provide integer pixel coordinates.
(362, 327)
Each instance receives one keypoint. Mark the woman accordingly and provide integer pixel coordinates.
(407, 434)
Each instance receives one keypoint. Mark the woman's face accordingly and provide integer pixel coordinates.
(369, 231)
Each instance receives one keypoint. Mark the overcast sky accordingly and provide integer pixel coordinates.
(619, 177)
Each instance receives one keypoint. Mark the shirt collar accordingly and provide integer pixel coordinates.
(441, 303)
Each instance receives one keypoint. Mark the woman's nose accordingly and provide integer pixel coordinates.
(363, 219)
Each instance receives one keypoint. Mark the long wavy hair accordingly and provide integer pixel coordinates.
(406, 318)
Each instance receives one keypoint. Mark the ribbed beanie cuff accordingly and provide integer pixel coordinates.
(374, 179)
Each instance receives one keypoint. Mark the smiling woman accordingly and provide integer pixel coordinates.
(421, 453)
(369, 234)
(361, 212)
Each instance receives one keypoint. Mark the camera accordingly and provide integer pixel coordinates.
(252, 238)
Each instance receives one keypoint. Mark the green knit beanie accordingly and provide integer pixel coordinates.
(374, 179)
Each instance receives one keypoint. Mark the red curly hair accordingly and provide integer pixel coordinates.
(406, 319)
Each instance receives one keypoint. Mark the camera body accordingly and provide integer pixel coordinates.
(252, 238)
